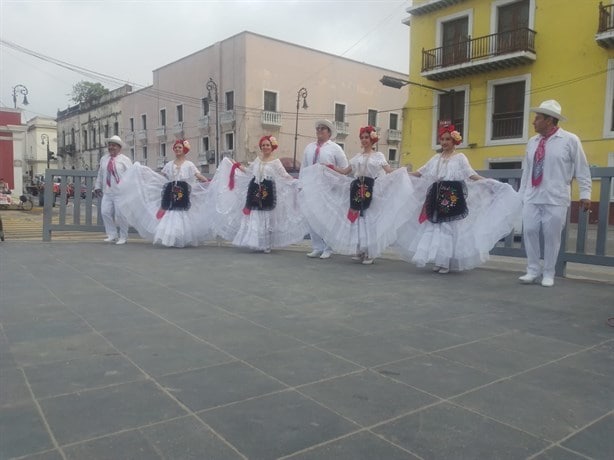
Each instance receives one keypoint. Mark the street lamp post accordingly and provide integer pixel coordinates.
(398, 83)
(20, 89)
(45, 138)
(212, 86)
(301, 94)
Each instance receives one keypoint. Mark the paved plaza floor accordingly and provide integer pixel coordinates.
(136, 352)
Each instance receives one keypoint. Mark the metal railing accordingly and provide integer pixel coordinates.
(606, 18)
(576, 236)
(473, 49)
(583, 242)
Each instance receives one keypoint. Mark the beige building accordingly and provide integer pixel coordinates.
(83, 128)
(41, 142)
(225, 97)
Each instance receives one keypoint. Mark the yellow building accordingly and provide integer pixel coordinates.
(493, 60)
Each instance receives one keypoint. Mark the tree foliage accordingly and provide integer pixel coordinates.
(87, 91)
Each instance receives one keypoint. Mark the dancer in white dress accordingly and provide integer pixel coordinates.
(359, 215)
(257, 205)
(170, 208)
(463, 216)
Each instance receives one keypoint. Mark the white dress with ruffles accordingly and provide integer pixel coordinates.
(259, 230)
(141, 196)
(461, 244)
(325, 202)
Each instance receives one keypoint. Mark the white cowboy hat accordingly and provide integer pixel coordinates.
(115, 140)
(551, 108)
(329, 124)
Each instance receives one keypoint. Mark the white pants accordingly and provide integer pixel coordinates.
(317, 243)
(112, 217)
(551, 220)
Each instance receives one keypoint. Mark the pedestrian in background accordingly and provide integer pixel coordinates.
(112, 167)
(553, 158)
(323, 151)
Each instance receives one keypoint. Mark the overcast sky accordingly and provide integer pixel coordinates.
(126, 40)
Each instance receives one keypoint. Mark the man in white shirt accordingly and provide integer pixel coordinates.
(112, 167)
(554, 157)
(326, 152)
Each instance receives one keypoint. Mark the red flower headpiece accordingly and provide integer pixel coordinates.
(372, 133)
(456, 136)
(271, 139)
(185, 144)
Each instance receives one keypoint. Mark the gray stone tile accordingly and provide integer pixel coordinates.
(61, 325)
(80, 374)
(473, 327)
(114, 447)
(367, 398)
(369, 349)
(60, 349)
(240, 337)
(298, 366)
(165, 349)
(581, 331)
(436, 375)
(360, 446)
(188, 439)
(595, 441)
(424, 338)
(538, 411)
(22, 431)
(104, 320)
(599, 360)
(13, 388)
(218, 385)
(491, 359)
(572, 384)
(80, 416)
(48, 455)
(309, 329)
(558, 453)
(276, 425)
(545, 347)
(449, 432)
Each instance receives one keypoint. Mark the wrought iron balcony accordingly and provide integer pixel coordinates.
(204, 123)
(227, 154)
(68, 149)
(142, 136)
(227, 119)
(178, 130)
(130, 137)
(206, 157)
(394, 136)
(342, 128)
(482, 54)
(270, 119)
(605, 30)
(161, 132)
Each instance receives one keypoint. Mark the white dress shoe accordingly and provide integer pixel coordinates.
(367, 261)
(121, 241)
(443, 271)
(528, 278)
(313, 254)
(109, 239)
(547, 281)
(326, 255)
(436, 268)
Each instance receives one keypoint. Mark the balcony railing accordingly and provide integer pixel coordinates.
(227, 154)
(394, 135)
(161, 132)
(130, 137)
(206, 157)
(178, 130)
(507, 125)
(227, 119)
(342, 128)
(204, 122)
(504, 49)
(605, 29)
(142, 136)
(270, 118)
